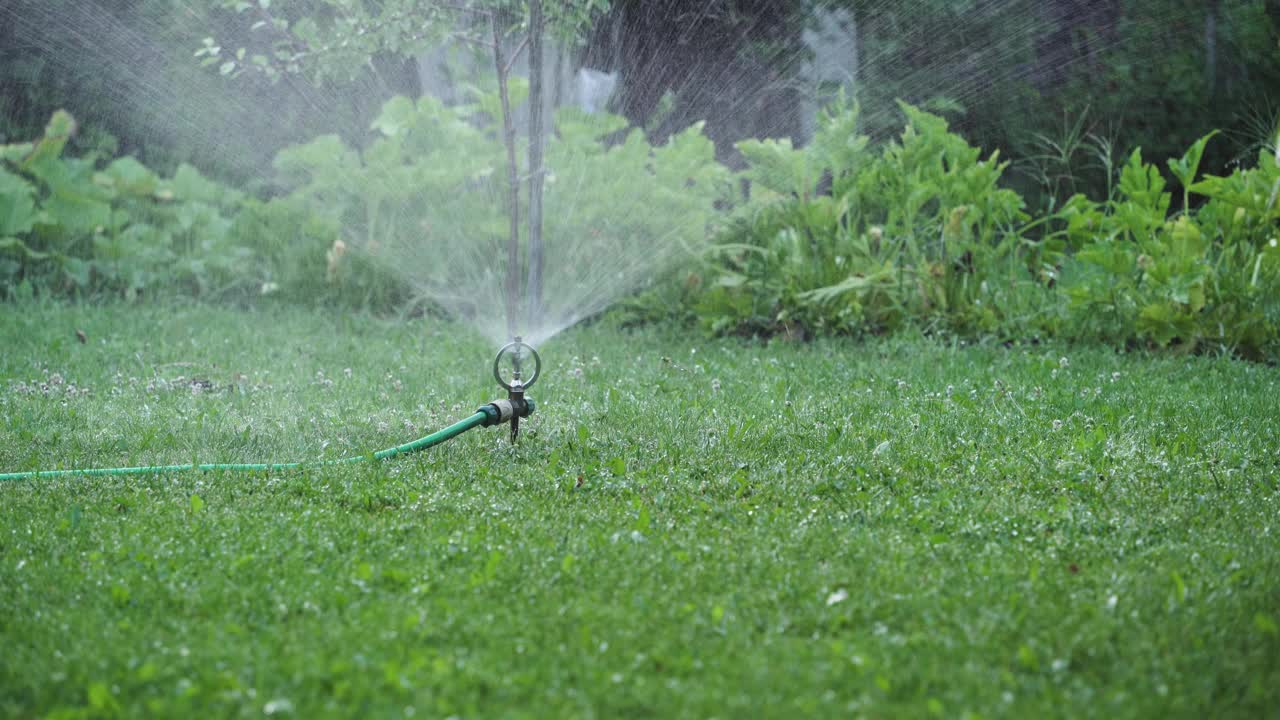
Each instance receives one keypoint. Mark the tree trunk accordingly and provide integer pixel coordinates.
(513, 180)
(535, 162)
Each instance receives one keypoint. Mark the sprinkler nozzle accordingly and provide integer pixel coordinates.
(519, 351)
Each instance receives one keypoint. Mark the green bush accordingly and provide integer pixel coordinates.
(839, 239)
(1194, 279)
(835, 237)
(424, 204)
(75, 226)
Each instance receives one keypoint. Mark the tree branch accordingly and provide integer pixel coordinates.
(515, 54)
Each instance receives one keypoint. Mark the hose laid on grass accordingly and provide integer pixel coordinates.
(482, 416)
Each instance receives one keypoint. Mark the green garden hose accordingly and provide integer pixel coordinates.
(487, 415)
(498, 412)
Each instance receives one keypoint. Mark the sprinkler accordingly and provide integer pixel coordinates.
(516, 405)
(516, 353)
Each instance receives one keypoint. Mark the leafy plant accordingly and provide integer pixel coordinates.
(1207, 276)
(425, 201)
(75, 225)
(839, 239)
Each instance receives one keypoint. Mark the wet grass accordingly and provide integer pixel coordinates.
(688, 528)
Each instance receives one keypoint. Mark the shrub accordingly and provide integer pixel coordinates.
(1205, 278)
(426, 202)
(75, 226)
(839, 239)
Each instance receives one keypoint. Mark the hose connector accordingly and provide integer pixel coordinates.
(501, 411)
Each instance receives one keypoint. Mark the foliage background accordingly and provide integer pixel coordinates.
(1152, 73)
(1093, 170)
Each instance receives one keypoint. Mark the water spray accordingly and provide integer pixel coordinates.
(520, 357)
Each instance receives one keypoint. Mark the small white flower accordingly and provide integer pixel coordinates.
(1057, 424)
(1064, 363)
(838, 596)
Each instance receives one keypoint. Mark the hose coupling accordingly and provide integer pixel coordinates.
(501, 411)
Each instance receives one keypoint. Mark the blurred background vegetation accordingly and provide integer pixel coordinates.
(1012, 168)
(1151, 73)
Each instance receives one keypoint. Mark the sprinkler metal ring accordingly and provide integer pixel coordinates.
(517, 346)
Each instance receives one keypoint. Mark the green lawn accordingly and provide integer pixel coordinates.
(687, 528)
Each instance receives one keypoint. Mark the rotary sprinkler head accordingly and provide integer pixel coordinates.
(518, 354)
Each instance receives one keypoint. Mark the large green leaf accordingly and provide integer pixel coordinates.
(127, 176)
(1186, 242)
(15, 153)
(1188, 166)
(17, 204)
(883, 277)
(189, 185)
(325, 161)
(836, 145)
(582, 130)
(777, 166)
(1164, 323)
(490, 103)
(1142, 184)
(77, 214)
(1117, 259)
(49, 148)
(78, 271)
(397, 116)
